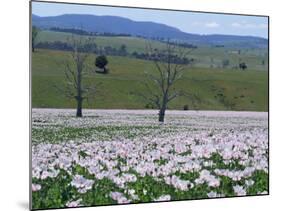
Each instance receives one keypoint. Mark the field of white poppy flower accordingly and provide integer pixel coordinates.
(126, 156)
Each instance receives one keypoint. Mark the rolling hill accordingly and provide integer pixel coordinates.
(114, 24)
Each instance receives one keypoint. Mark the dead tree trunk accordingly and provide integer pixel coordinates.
(79, 107)
(163, 108)
(161, 115)
(79, 97)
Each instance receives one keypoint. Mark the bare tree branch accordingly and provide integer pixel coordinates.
(75, 70)
(169, 71)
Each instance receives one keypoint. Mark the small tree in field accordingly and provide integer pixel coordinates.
(76, 69)
(161, 84)
(243, 66)
(35, 32)
(101, 62)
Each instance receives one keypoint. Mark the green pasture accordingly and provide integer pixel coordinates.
(247, 90)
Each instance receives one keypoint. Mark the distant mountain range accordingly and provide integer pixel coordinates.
(120, 25)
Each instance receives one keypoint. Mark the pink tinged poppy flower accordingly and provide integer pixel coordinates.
(36, 187)
(213, 194)
(119, 197)
(74, 203)
(82, 184)
(239, 190)
(163, 198)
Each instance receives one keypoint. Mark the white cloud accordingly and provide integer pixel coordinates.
(247, 25)
(212, 24)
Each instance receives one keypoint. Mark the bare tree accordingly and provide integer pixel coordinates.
(161, 89)
(76, 68)
(35, 32)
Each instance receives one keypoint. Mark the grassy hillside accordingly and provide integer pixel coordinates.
(206, 56)
(132, 43)
(247, 89)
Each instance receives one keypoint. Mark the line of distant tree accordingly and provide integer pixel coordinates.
(121, 51)
(71, 30)
(56, 45)
(186, 45)
(166, 40)
(159, 56)
(178, 44)
(87, 33)
(182, 44)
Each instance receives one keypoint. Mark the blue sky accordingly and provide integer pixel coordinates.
(191, 22)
